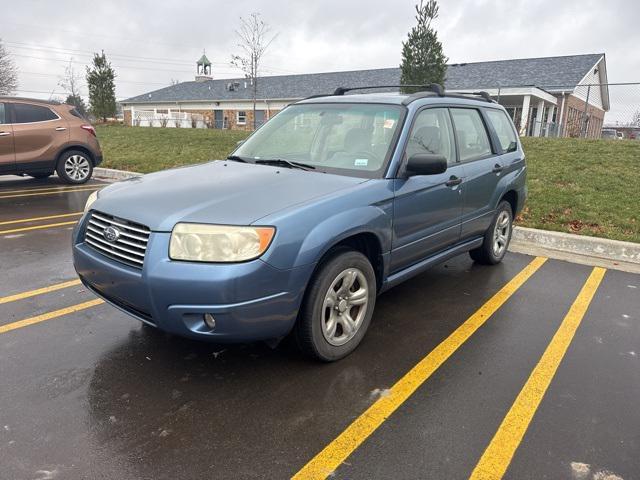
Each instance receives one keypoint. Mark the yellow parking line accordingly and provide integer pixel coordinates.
(38, 291)
(355, 434)
(496, 458)
(57, 192)
(49, 315)
(36, 227)
(51, 188)
(37, 219)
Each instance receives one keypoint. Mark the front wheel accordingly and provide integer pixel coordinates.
(75, 167)
(338, 306)
(496, 238)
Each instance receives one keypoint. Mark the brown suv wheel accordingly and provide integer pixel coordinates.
(75, 167)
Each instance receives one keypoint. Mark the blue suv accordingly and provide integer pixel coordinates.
(333, 201)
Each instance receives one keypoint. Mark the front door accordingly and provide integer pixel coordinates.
(427, 208)
(259, 118)
(218, 119)
(7, 154)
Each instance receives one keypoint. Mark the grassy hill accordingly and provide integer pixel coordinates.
(589, 187)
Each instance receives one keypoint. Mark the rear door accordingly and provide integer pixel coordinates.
(39, 134)
(427, 208)
(7, 154)
(483, 168)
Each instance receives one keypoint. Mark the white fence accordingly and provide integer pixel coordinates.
(153, 118)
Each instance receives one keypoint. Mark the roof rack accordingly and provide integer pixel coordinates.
(433, 88)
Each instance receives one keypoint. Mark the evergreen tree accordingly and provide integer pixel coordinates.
(102, 87)
(423, 61)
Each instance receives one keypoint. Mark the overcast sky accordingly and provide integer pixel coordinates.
(313, 36)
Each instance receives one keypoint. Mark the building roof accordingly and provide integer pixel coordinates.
(551, 73)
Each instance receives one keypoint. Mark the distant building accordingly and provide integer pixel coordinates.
(548, 96)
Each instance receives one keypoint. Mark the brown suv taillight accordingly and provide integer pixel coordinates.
(89, 128)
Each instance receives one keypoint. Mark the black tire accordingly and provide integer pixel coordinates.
(67, 159)
(308, 331)
(40, 175)
(486, 254)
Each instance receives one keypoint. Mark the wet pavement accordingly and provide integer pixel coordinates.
(93, 394)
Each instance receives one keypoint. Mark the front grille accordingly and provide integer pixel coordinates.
(130, 245)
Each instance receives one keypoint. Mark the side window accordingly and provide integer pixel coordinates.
(2, 113)
(473, 140)
(432, 133)
(26, 113)
(502, 125)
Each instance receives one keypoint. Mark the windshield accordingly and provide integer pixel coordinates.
(348, 139)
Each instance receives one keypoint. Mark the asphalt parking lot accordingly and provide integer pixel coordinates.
(529, 369)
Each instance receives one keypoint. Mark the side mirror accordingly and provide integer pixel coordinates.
(426, 164)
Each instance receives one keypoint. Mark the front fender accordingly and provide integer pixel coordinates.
(308, 239)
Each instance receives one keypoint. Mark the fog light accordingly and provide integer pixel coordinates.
(209, 320)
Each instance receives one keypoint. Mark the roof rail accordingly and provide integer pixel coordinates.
(433, 87)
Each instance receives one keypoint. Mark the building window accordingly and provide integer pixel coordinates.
(241, 118)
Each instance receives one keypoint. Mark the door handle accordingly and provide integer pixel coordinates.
(4, 134)
(497, 168)
(453, 181)
(60, 129)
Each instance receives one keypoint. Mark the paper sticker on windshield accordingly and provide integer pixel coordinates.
(361, 162)
(389, 123)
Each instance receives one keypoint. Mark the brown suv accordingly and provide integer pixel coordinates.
(38, 137)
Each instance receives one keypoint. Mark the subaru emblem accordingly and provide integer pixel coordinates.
(111, 234)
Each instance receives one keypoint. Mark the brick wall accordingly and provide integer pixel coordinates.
(573, 115)
(127, 117)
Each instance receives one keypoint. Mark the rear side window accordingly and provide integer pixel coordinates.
(473, 140)
(502, 125)
(432, 133)
(26, 113)
(2, 113)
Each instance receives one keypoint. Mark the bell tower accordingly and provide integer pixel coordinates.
(203, 69)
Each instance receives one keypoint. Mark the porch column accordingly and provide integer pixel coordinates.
(552, 109)
(524, 116)
(539, 116)
(133, 115)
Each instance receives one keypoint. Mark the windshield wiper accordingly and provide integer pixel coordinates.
(281, 162)
(236, 158)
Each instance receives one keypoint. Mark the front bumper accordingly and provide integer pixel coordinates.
(249, 301)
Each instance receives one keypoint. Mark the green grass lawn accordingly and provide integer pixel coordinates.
(588, 187)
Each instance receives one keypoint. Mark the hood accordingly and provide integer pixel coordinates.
(220, 192)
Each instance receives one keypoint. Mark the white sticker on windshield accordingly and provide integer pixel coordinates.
(389, 123)
(361, 162)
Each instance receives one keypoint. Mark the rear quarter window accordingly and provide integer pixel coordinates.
(27, 113)
(504, 129)
(2, 113)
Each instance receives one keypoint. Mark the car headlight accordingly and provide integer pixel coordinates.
(92, 198)
(218, 243)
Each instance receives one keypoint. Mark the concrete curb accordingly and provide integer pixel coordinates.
(579, 248)
(112, 174)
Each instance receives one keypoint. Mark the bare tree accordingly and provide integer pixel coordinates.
(636, 118)
(254, 37)
(8, 72)
(71, 82)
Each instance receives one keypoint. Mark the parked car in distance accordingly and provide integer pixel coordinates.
(333, 201)
(609, 134)
(38, 138)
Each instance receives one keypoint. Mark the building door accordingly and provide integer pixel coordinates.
(217, 119)
(259, 118)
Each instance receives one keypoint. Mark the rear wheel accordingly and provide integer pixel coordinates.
(41, 175)
(496, 238)
(75, 167)
(338, 306)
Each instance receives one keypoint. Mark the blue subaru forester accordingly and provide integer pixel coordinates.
(333, 201)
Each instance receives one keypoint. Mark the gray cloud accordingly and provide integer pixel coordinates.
(312, 36)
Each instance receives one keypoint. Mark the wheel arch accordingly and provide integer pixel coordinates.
(81, 148)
